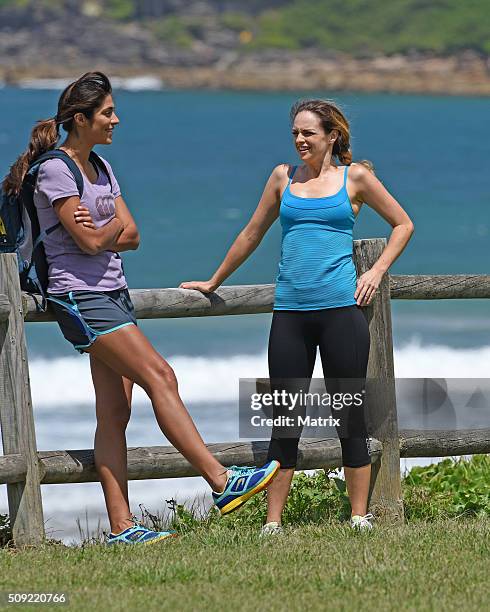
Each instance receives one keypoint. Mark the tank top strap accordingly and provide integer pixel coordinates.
(292, 174)
(345, 176)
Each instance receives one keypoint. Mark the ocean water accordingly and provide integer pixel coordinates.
(192, 166)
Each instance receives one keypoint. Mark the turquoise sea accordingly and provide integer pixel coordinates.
(192, 166)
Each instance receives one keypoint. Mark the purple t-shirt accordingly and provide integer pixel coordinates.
(70, 268)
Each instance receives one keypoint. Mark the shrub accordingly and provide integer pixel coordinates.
(5, 530)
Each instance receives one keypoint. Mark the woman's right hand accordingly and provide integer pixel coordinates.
(202, 286)
(82, 215)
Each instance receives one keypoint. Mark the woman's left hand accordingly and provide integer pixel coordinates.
(367, 285)
(82, 215)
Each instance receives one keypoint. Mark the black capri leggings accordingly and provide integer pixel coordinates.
(342, 334)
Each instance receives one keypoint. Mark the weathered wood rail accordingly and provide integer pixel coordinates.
(23, 469)
(256, 299)
(144, 463)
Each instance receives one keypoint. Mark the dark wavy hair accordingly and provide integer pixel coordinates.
(85, 95)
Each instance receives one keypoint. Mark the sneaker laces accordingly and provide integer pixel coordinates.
(241, 470)
(363, 520)
(137, 523)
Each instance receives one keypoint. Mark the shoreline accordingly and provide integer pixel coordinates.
(467, 74)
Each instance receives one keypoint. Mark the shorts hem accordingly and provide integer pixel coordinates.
(79, 347)
(108, 331)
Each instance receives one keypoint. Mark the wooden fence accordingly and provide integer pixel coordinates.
(23, 469)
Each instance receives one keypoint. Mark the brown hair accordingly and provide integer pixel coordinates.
(84, 95)
(332, 118)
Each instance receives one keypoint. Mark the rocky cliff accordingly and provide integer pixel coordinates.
(207, 44)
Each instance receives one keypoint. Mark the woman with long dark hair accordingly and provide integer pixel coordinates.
(88, 293)
(318, 299)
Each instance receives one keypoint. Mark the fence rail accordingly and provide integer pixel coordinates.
(256, 299)
(68, 466)
(23, 469)
(59, 467)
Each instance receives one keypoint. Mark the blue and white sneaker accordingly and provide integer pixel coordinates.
(137, 534)
(243, 483)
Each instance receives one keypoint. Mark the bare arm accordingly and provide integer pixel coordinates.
(129, 239)
(370, 190)
(91, 241)
(251, 235)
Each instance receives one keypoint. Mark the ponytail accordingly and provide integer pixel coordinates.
(344, 155)
(44, 137)
(342, 150)
(84, 95)
(369, 164)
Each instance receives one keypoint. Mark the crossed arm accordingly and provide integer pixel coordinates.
(119, 234)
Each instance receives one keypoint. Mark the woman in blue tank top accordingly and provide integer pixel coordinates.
(318, 300)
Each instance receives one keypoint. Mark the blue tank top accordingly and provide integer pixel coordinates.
(316, 268)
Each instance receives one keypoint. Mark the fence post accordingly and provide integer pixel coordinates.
(16, 418)
(385, 491)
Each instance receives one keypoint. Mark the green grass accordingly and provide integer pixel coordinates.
(422, 566)
(438, 560)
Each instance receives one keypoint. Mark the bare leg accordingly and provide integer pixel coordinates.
(277, 494)
(113, 408)
(129, 353)
(357, 481)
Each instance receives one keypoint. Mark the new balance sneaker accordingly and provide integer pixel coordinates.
(271, 529)
(137, 534)
(361, 523)
(242, 484)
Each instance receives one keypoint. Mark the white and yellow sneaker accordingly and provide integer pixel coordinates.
(361, 523)
(272, 528)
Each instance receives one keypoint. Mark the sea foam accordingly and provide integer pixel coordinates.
(66, 381)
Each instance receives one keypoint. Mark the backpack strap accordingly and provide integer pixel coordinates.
(72, 166)
(59, 154)
(34, 169)
(95, 159)
(77, 175)
(43, 235)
